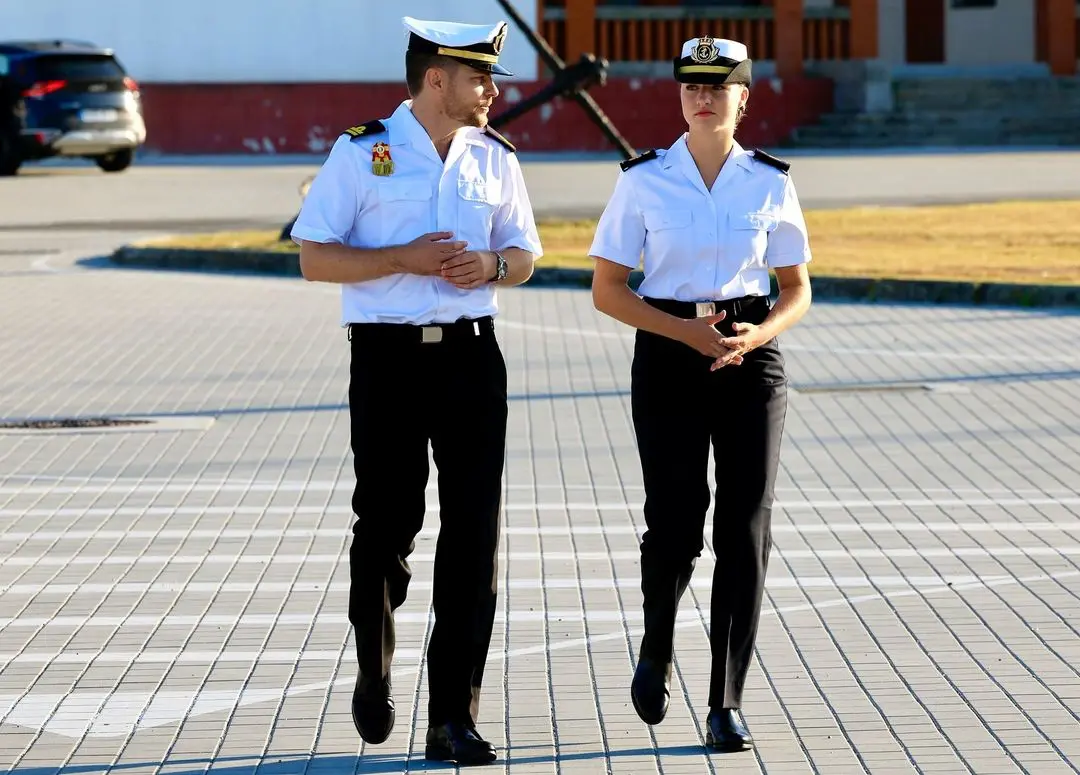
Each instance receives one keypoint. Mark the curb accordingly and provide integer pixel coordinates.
(286, 264)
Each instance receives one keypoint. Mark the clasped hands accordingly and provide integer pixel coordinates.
(701, 334)
(431, 254)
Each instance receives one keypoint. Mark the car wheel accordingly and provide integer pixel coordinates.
(10, 160)
(117, 161)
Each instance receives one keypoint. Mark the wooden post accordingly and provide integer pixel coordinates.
(1060, 30)
(864, 29)
(540, 28)
(1042, 34)
(788, 37)
(580, 28)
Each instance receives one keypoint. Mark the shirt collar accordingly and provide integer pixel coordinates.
(742, 157)
(406, 130)
(679, 157)
(678, 153)
(672, 157)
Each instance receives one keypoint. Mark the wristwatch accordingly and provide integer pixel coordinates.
(501, 268)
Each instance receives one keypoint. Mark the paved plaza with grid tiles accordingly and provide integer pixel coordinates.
(173, 599)
(173, 595)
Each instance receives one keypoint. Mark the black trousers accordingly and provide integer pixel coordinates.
(404, 394)
(680, 408)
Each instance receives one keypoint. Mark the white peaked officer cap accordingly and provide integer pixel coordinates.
(713, 60)
(476, 45)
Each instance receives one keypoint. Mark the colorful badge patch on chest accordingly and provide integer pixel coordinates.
(381, 163)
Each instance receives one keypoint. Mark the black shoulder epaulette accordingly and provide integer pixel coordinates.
(625, 165)
(772, 161)
(500, 139)
(363, 130)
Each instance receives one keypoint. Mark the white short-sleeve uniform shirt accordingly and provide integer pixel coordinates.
(700, 244)
(478, 194)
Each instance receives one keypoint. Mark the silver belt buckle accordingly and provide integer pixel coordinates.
(430, 334)
(705, 308)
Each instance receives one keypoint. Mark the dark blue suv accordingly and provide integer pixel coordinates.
(67, 98)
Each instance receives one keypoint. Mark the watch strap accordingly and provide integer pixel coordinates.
(501, 267)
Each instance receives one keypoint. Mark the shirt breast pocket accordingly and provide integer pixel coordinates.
(477, 202)
(661, 220)
(667, 234)
(748, 236)
(404, 210)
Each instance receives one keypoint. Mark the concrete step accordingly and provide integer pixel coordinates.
(960, 112)
(1034, 128)
(1004, 92)
(945, 94)
(987, 105)
(1017, 87)
(882, 143)
(817, 137)
(971, 102)
(1021, 121)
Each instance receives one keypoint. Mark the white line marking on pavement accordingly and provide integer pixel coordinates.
(937, 355)
(342, 587)
(152, 657)
(297, 620)
(1072, 524)
(122, 484)
(595, 333)
(94, 713)
(44, 263)
(548, 555)
(164, 511)
(779, 505)
(88, 713)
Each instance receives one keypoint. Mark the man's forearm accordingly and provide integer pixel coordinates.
(519, 266)
(333, 263)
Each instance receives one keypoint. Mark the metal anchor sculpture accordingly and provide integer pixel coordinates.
(571, 81)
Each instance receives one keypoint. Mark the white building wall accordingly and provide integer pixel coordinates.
(257, 41)
(1002, 35)
(892, 45)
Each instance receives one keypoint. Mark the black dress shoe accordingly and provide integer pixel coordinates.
(651, 690)
(373, 709)
(459, 744)
(726, 731)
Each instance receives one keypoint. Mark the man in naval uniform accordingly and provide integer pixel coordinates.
(420, 217)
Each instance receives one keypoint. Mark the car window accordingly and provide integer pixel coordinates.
(68, 67)
(5, 67)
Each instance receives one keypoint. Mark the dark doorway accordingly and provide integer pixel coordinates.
(924, 28)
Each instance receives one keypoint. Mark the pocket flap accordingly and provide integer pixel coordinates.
(479, 191)
(399, 190)
(760, 220)
(655, 220)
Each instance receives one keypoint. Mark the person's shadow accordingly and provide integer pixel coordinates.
(341, 764)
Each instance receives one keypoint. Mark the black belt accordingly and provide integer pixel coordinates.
(429, 333)
(701, 309)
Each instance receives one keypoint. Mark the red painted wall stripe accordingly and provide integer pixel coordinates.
(306, 118)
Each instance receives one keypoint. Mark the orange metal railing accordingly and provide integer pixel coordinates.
(656, 33)
(827, 37)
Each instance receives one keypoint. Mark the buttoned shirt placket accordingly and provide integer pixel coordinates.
(444, 201)
(707, 245)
